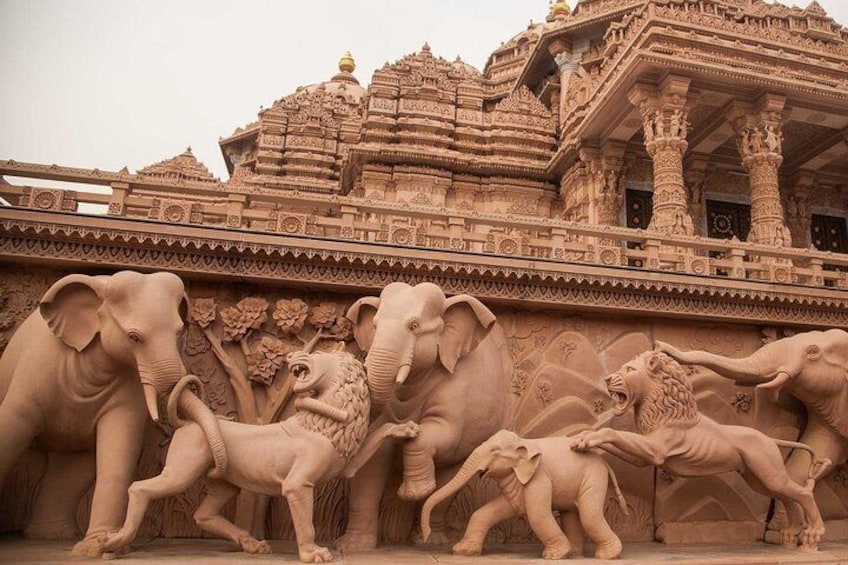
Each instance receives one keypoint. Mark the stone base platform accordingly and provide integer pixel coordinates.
(202, 551)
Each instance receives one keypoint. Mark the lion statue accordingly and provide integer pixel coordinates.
(672, 434)
(325, 437)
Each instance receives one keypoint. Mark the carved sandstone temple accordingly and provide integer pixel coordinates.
(626, 171)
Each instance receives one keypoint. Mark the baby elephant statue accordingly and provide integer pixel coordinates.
(674, 435)
(324, 438)
(536, 476)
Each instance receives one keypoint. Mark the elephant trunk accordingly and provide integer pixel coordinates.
(382, 368)
(754, 369)
(471, 466)
(196, 411)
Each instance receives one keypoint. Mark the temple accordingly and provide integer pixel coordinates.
(621, 172)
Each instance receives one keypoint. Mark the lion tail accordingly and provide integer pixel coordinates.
(614, 480)
(818, 466)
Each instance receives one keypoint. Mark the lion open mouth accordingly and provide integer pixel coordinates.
(617, 389)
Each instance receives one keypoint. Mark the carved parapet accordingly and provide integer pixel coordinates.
(176, 211)
(507, 244)
(49, 199)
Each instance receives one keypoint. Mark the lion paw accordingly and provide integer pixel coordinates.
(94, 545)
(406, 430)
(352, 543)
(789, 536)
(253, 545)
(467, 548)
(315, 554)
(811, 537)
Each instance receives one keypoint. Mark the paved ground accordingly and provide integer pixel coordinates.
(16, 550)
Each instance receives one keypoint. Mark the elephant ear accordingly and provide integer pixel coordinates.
(70, 309)
(467, 323)
(362, 315)
(530, 457)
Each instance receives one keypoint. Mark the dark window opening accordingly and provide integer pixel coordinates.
(829, 233)
(726, 220)
(640, 208)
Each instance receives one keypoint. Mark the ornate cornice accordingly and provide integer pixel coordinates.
(80, 242)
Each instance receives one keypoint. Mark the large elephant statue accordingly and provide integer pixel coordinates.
(535, 477)
(812, 367)
(441, 362)
(77, 381)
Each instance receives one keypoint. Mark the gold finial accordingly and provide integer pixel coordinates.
(559, 8)
(346, 63)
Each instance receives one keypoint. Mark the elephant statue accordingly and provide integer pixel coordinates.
(77, 381)
(441, 362)
(812, 367)
(536, 476)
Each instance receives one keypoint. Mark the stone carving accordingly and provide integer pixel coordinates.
(319, 442)
(70, 377)
(426, 354)
(672, 432)
(810, 366)
(535, 476)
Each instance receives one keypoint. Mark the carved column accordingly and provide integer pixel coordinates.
(568, 63)
(695, 175)
(798, 213)
(760, 139)
(606, 185)
(664, 117)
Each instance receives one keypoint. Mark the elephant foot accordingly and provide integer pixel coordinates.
(436, 538)
(467, 548)
(559, 550)
(811, 537)
(353, 542)
(417, 489)
(315, 554)
(253, 545)
(609, 550)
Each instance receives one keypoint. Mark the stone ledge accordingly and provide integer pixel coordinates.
(183, 551)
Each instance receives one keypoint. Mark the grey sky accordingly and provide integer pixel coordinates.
(111, 83)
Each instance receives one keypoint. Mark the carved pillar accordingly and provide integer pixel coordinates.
(664, 116)
(798, 213)
(606, 185)
(568, 63)
(695, 174)
(759, 140)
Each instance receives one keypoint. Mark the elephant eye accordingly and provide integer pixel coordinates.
(414, 325)
(134, 336)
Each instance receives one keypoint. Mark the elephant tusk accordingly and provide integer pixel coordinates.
(150, 399)
(402, 375)
(776, 383)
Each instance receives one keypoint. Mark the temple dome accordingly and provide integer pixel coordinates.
(183, 167)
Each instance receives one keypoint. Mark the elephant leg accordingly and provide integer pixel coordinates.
(366, 491)
(481, 521)
(570, 522)
(299, 490)
(538, 495)
(438, 518)
(119, 441)
(435, 440)
(208, 517)
(20, 424)
(68, 476)
(590, 506)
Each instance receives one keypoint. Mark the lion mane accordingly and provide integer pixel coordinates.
(671, 401)
(348, 392)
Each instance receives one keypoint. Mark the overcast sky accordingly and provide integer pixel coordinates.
(111, 83)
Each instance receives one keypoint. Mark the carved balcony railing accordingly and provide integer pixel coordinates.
(449, 230)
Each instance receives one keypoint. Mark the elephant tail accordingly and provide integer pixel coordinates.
(818, 466)
(185, 401)
(614, 480)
